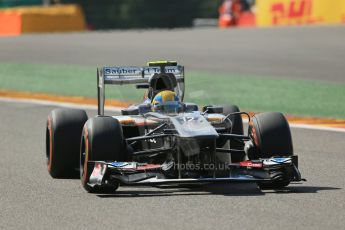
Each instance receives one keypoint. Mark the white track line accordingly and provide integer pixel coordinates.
(316, 127)
(118, 109)
(59, 104)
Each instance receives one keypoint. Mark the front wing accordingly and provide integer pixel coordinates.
(134, 173)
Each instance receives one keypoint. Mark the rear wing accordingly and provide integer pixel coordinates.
(131, 75)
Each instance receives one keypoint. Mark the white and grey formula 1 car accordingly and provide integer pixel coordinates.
(148, 145)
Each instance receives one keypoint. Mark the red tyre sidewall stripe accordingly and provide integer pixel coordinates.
(86, 136)
(254, 134)
(50, 128)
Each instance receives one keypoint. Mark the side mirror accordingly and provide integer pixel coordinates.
(191, 107)
(142, 86)
(212, 109)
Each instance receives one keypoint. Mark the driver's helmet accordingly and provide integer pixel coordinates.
(166, 101)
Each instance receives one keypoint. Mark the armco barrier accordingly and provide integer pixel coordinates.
(298, 12)
(59, 18)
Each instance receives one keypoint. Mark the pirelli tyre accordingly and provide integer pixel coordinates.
(271, 137)
(237, 128)
(63, 132)
(102, 140)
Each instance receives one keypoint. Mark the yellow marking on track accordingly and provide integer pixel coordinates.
(58, 98)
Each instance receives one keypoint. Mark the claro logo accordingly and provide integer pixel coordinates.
(293, 12)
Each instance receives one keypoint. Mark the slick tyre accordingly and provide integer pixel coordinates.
(102, 140)
(237, 128)
(271, 135)
(63, 132)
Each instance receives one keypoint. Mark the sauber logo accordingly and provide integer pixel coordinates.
(119, 71)
(293, 12)
(137, 71)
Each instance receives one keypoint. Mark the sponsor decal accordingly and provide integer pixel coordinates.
(281, 160)
(293, 12)
(251, 164)
(121, 71)
(277, 161)
(97, 174)
(119, 164)
(151, 70)
(134, 166)
(138, 71)
(172, 69)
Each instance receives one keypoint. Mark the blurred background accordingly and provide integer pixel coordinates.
(110, 14)
(290, 48)
(124, 14)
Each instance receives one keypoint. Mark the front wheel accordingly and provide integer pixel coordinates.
(271, 136)
(102, 140)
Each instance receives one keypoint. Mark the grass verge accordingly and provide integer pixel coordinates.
(254, 93)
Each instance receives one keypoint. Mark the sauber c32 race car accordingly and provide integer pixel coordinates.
(155, 143)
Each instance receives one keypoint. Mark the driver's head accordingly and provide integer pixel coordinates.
(160, 82)
(166, 101)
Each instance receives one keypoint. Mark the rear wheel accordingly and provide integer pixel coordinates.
(102, 140)
(237, 128)
(271, 137)
(63, 132)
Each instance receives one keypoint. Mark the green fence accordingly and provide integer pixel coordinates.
(106, 14)
(12, 3)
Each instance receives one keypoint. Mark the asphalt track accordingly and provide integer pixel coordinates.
(296, 52)
(31, 199)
